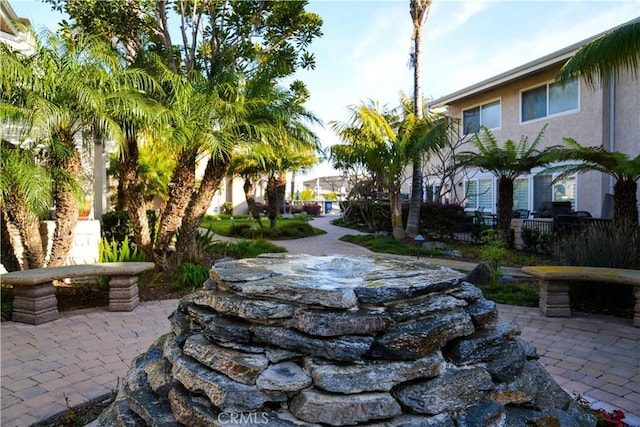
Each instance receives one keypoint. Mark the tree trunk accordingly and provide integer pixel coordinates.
(274, 205)
(505, 207)
(181, 190)
(15, 211)
(200, 201)
(413, 220)
(397, 228)
(133, 199)
(7, 251)
(625, 202)
(251, 200)
(66, 211)
(419, 13)
(281, 190)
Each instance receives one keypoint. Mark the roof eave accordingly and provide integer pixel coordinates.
(542, 63)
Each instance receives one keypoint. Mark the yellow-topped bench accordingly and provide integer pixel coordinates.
(34, 296)
(554, 285)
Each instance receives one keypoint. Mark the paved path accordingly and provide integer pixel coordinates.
(81, 356)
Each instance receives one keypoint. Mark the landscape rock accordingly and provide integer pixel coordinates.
(285, 376)
(293, 340)
(339, 410)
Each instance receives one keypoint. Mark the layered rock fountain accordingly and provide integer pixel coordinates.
(300, 340)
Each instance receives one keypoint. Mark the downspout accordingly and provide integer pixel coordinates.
(612, 124)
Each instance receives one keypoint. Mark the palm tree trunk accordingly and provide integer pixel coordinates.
(7, 251)
(28, 227)
(395, 200)
(625, 201)
(251, 200)
(200, 201)
(505, 207)
(419, 11)
(275, 193)
(66, 212)
(181, 189)
(133, 199)
(413, 220)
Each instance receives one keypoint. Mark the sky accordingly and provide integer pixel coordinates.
(364, 51)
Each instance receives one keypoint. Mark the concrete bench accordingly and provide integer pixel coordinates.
(554, 284)
(34, 296)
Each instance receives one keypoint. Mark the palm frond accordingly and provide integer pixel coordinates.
(608, 56)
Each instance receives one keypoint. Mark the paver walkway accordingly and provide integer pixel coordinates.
(79, 357)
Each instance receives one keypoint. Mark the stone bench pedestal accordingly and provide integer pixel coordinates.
(35, 304)
(123, 293)
(554, 298)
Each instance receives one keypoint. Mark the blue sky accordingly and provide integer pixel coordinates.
(365, 48)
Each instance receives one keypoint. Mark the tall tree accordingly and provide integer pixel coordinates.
(603, 59)
(370, 139)
(419, 10)
(66, 86)
(221, 40)
(506, 163)
(25, 195)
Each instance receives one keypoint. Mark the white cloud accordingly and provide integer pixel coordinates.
(450, 16)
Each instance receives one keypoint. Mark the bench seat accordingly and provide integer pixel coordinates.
(554, 284)
(34, 296)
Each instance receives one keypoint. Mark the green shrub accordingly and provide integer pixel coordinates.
(538, 241)
(602, 244)
(114, 251)
(493, 253)
(116, 225)
(441, 220)
(247, 248)
(205, 241)
(188, 276)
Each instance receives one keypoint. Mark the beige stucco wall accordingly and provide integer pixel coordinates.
(589, 125)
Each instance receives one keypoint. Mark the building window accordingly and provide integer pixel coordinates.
(487, 115)
(521, 193)
(549, 100)
(479, 194)
(545, 190)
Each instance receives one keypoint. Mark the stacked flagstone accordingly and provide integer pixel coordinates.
(300, 340)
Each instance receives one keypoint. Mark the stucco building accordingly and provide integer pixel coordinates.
(519, 103)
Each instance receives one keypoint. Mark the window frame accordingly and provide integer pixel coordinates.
(547, 85)
(476, 180)
(479, 107)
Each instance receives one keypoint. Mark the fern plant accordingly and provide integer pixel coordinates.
(114, 251)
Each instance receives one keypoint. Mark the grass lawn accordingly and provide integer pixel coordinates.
(247, 228)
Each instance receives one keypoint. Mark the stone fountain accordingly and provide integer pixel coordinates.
(295, 340)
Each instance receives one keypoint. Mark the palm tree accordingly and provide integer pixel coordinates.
(384, 142)
(603, 59)
(63, 88)
(505, 163)
(198, 111)
(623, 168)
(606, 57)
(25, 195)
(370, 140)
(419, 10)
